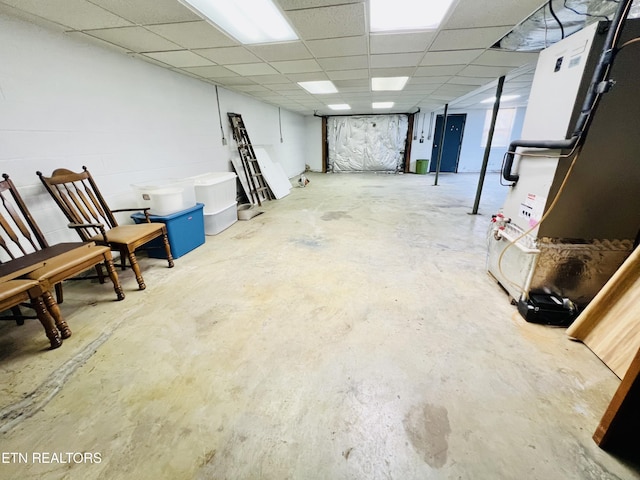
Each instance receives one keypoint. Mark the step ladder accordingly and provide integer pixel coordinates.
(259, 190)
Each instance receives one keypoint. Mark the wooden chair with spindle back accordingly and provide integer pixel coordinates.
(79, 198)
(25, 254)
(14, 293)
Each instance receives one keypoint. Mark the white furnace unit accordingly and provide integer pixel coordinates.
(572, 248)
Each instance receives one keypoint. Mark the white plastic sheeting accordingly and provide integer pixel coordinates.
(366, 143)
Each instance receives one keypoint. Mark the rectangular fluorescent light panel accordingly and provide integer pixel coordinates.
(407, 14)
(381, 84)
(248, 21)
(319, 87)
(339, 106)
(382, 104)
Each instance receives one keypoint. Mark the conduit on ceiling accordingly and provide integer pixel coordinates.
(541, 29)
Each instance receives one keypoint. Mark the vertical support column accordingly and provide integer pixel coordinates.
(487, 149)
(441, 144)
(325, 150)
(408, 140)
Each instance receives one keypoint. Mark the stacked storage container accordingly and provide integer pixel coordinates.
(173, 203)
(163, 197)
(217, 191)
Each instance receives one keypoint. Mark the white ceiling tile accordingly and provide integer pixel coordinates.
(286, 103)
(362, 95)
(330, 98)
(228, 55)
(276, 52)
(193, 34)
(472, 13)
(429, 106)
(413, 97)
(456, 90)
(298, 4)
(269, 79)
(76, 14)
(136, 39)
(348, 74)
(359, 83)
(422, 89)
(177, 70)
(395, 60)
(479, 71)
(250, 88)
(210, 72)
(307, 77)
(392, 72)
(147, 13)
(334, 44)
(505, 59)
(453, 57)
(444, 97)
(400, 42)
(253, 69)
(299, 96)
(385, 96)
(344, 63)
(338, 47)
(288, 92)
(96, 41)
(313, 105)
(286, 87)
(182, 58)
(268, 98)
(233, 81)
(440, 70)
(459, 80)
(297, 66)
(468, 38)
(427, 80)
(329, 22)
(351, 90)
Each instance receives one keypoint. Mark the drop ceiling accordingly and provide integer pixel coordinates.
(453, 64)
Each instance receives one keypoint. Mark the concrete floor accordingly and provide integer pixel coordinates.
(349, 332)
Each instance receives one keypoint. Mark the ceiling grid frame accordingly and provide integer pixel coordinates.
(339, 49)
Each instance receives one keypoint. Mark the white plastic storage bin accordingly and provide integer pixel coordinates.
(188, 193)
(161, 199)
(217, 190)
(214, 223)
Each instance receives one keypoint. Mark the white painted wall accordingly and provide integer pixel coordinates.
(472, 152)
(421, 151)
(313, 151)
(65, 103)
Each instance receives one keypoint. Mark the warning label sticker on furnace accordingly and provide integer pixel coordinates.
(532, 209)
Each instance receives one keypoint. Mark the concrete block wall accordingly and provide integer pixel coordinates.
(66, 103)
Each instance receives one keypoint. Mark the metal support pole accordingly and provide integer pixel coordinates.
(441, 145)
(487, 148)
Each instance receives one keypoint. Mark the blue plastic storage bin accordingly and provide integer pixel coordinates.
(185, 230)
